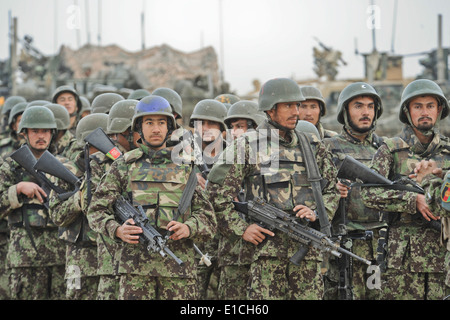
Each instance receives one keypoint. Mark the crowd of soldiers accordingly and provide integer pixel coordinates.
(187, 180)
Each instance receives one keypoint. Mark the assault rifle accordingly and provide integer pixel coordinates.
(99, 140)
(25, 158)
(273, 218)
(150, 236)
(354, 170)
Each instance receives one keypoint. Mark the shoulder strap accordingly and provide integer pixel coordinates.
(315, 179)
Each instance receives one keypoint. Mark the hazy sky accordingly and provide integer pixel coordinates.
(261, 39)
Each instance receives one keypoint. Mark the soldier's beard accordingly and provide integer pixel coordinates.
(354, 127)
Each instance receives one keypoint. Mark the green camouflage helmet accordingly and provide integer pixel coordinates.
(85, 105)
(103, 102)
(62, 116)
(120, 116)
(37, 117)
(173, 97)
(306, 126)
(243, 109)
(209, 109)
(422, 87)
(70, 89)
(354, 90)
(38, 103)
(312, 93)
(138, 94)
(227, 99)
(18, 109)
(88, 124)
(153, 105)
(277, 91)
(10, 102)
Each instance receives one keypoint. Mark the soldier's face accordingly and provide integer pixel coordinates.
(424, 111)
(208, 130)
(361, 112)
(39, 139)
(238, 127)
(67, 100)
(154, 129)
(309, 111)
(16, 123)
(285, 114)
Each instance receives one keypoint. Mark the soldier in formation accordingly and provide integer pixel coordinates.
(262, 156)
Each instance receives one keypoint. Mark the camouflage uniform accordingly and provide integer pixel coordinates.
(359, 218)
(156, 183)
(325, 133)
(414, 256)
(81, 249)
(271, 274)
(433, 188)
(35, 254)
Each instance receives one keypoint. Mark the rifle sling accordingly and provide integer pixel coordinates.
(314, 178)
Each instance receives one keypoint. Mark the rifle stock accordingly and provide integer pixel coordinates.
(150, 236)
(99, 140)
(262, 212)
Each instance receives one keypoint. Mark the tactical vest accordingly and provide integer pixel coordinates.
(157, 185)
(32, 213)
(284, 183)
(341, 147)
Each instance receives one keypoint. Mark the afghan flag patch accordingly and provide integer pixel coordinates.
(445, 192)
(114, 153)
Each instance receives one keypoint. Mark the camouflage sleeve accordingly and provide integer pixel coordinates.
(224, 183)
(8, 190)
(328, 170)
(432, 186)
(64, 212)
(100, 212)
(384, 199)
(202, 221)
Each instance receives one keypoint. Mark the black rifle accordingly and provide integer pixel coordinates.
(150, 236)
(25, 158)
(276, 219)
(99, 140)
(48, 163)
(354, 170)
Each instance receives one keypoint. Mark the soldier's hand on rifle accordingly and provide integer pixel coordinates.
(128, 232)
(343, 188)
(31, 190)
(304, 212)
(423, 208)
(255, 234)
(179, 230)
(425, 167)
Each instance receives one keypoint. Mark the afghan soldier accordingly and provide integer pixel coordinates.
(104, 102)
(241, 117)
(15, 140)
(10, 102)
(119, 130)
(64, 138)
(148, 176)
(436, 184)
(69, 215)
(68, 97)
(85, 107)
(207, 119)
(359, 107)
(414, 260)
(227, 99)
(313, 108)
(35, 254)
(276, 173)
